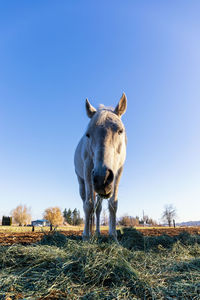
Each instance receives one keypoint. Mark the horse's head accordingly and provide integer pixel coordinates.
(106, 142)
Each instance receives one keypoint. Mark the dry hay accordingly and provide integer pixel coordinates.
(60, 267)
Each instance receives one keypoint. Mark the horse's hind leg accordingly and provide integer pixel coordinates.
(98, 212)
(88, 207)
(81, 187)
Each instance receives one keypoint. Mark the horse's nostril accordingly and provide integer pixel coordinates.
(102, 179)
(109, 177)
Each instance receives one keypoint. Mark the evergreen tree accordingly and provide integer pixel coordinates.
(74, 216)
(79, 220)
(67, 214)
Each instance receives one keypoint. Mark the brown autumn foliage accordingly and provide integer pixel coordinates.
(21, 215)
(54, 216)
(129, 221)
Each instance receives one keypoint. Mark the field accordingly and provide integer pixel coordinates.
(24, 235)
(146, 264)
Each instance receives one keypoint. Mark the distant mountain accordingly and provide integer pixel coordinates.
(189, 223)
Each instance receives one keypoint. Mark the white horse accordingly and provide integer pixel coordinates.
(99, 160)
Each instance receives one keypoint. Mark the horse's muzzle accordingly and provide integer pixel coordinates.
(103, 182)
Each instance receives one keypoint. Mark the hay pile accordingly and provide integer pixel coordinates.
(63, 268)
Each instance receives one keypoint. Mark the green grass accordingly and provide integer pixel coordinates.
(139, 267)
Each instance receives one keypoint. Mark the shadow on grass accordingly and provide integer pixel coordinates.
(129, 238)
(132, 239)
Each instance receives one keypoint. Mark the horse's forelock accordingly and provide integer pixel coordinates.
(107, 108)
(104, 114)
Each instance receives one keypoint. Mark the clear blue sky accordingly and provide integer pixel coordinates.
(54, 54)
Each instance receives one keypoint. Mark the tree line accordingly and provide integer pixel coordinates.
(136, 221)
(22, 216)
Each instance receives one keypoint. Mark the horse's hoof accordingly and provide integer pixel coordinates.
(113, 238)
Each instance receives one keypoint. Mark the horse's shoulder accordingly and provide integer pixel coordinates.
(82, 148)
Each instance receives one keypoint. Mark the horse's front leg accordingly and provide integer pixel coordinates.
(112, 205)
(88, 205)
(98, 212)
(92, 218)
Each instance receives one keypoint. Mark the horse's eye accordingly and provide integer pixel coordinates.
(120, 131)
(88, 136)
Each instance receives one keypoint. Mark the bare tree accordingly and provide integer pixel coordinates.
(169, 214)
(104, 218)
(21, 215)
(53, 215)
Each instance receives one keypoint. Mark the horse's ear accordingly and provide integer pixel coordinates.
(121, 106)
(89, 109)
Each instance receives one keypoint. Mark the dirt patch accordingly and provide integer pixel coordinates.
(169, 231)
(25, 238)
(28, 237)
